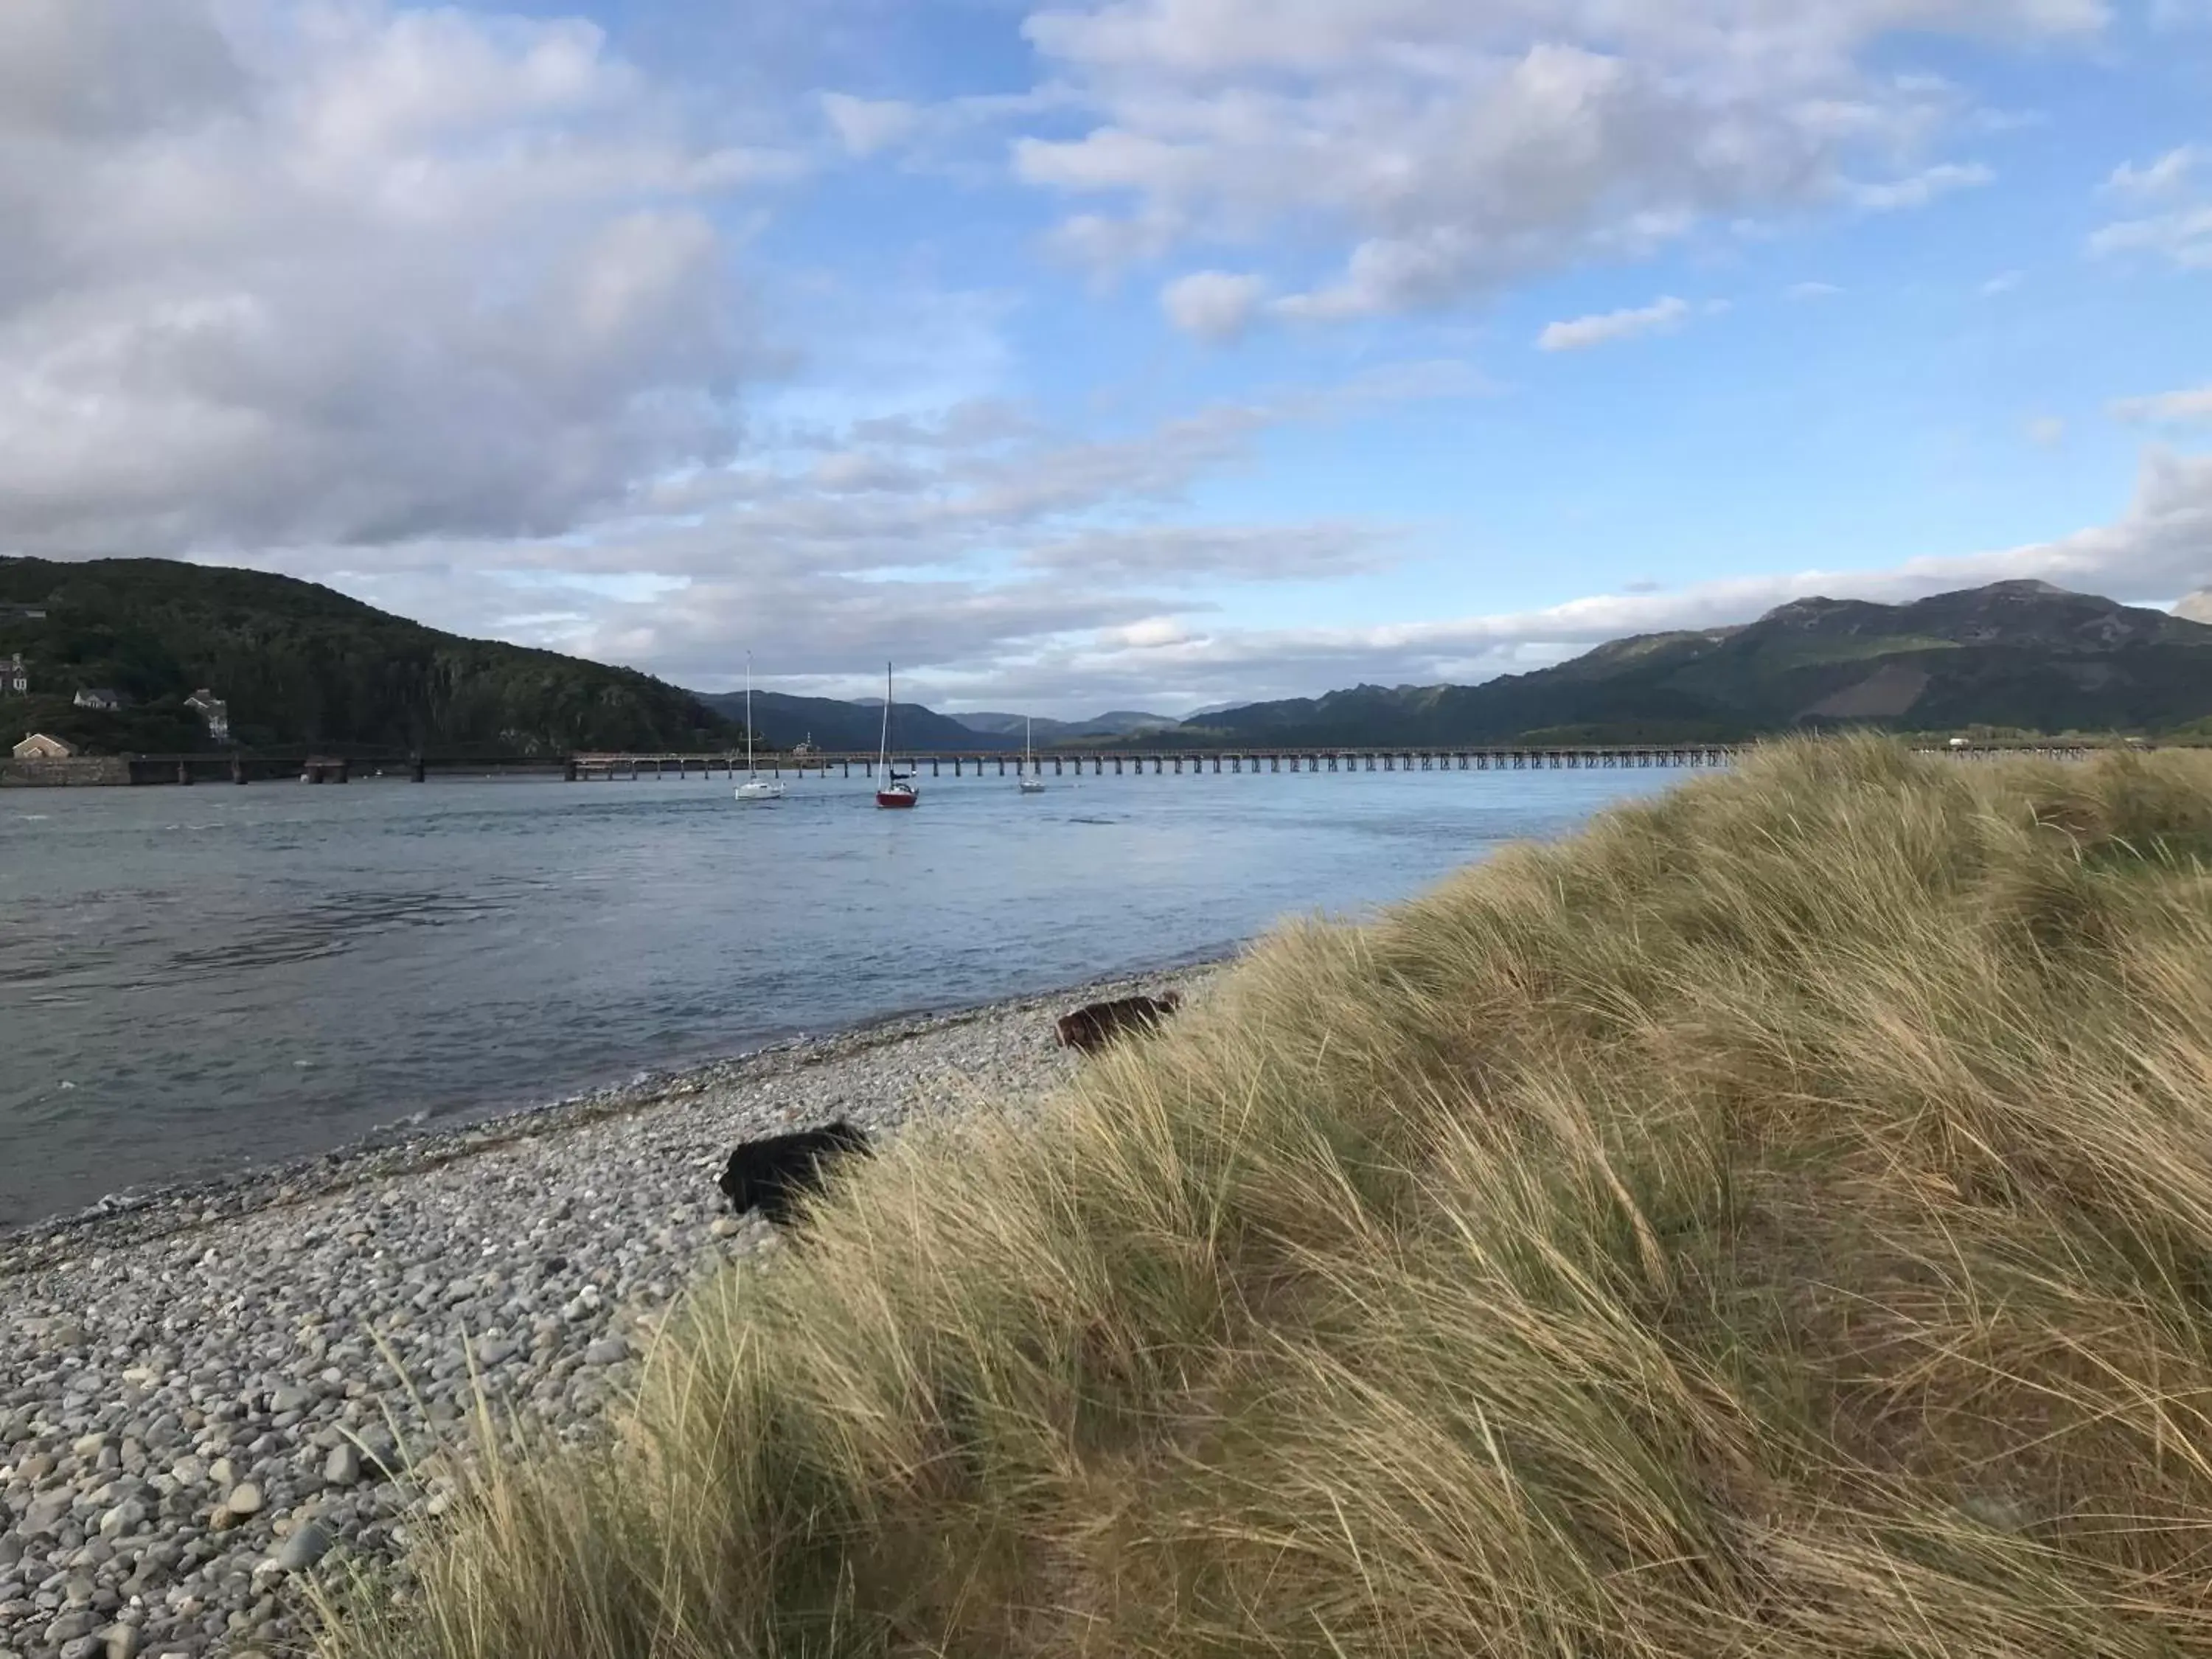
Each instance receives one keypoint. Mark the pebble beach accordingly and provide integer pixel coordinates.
(211, 1396)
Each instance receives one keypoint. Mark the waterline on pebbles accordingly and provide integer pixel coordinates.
(208, 1394)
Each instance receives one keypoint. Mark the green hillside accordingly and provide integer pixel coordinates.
(2022, 656)
(301, 665)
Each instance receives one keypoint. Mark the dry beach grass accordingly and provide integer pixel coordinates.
(1777, 1221)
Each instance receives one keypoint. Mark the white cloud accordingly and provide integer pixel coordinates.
(866, 126)
(2002, 282)
(2182, 236)
(1213, 305)
(2165, 177)
(2166, 406)
(1452, 147)
(1660, 317)
(346, 273)
(1812, 291)
(1921, 188)
(2046, 431)
(2180, 232)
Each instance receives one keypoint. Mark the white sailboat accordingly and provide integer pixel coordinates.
(1030, 784)
(755, 788)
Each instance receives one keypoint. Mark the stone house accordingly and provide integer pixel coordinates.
(212, 709)
(14, 675)
(99, 697)
(39, 746)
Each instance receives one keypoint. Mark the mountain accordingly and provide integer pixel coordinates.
(2022, 655)
(302, 666)
(835, 725)
(1115, 723)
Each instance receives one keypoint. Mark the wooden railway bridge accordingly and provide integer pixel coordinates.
(237, 767)
(1159, 762)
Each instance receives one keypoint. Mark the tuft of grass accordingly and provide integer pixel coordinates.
(1777, 1221)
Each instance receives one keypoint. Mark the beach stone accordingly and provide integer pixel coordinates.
(122, 1642)
(607, 1351)
(342, 1468)
(302, 1548)
(245, 1499)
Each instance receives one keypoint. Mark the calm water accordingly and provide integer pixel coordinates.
(192, 979)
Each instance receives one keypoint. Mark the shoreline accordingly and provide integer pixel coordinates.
(217, 1396)
(405, 1146)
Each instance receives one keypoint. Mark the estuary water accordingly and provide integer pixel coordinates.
(192, 980)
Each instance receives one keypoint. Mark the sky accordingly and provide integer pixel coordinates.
(1090, 353)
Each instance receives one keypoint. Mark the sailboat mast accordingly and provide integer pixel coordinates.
(749, 713)
(884, 746)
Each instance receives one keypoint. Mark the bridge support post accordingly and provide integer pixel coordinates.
(238, 768)
(183, 771)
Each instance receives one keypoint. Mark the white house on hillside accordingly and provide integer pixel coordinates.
(212, 709)
(39, 746)
(99, 697)
(14, 676)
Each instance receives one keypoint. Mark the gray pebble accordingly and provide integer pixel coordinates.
(302, 1548)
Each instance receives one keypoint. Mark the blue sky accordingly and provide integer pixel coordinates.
(1148, 353)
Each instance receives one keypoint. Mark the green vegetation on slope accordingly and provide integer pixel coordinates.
(1777, 1221)
(2022, 655)
(301, 665)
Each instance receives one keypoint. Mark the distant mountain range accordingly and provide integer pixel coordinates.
(1115, 723)
(833, 724)
(2022, 655)
(300, 665)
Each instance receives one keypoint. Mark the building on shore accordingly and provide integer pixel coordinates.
(99, 697)
(22, 613)
(39, 746)
(212, 709)
(14, 676)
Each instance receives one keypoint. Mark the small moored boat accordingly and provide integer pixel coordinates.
(755, 788)
(898, 787)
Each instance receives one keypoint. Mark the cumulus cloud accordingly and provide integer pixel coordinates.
(1663, 316)
(346, 274)
(1213, 305)
(1451, 146)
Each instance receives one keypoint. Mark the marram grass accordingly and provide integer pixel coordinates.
(1777, 1221)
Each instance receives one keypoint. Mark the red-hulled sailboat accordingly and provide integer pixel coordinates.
(898, 787)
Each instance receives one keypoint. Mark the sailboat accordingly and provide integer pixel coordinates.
(898, 787)
(754, 788)
(1030, 783)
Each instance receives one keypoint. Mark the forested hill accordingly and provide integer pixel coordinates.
(2019, 655)
(301, 665)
